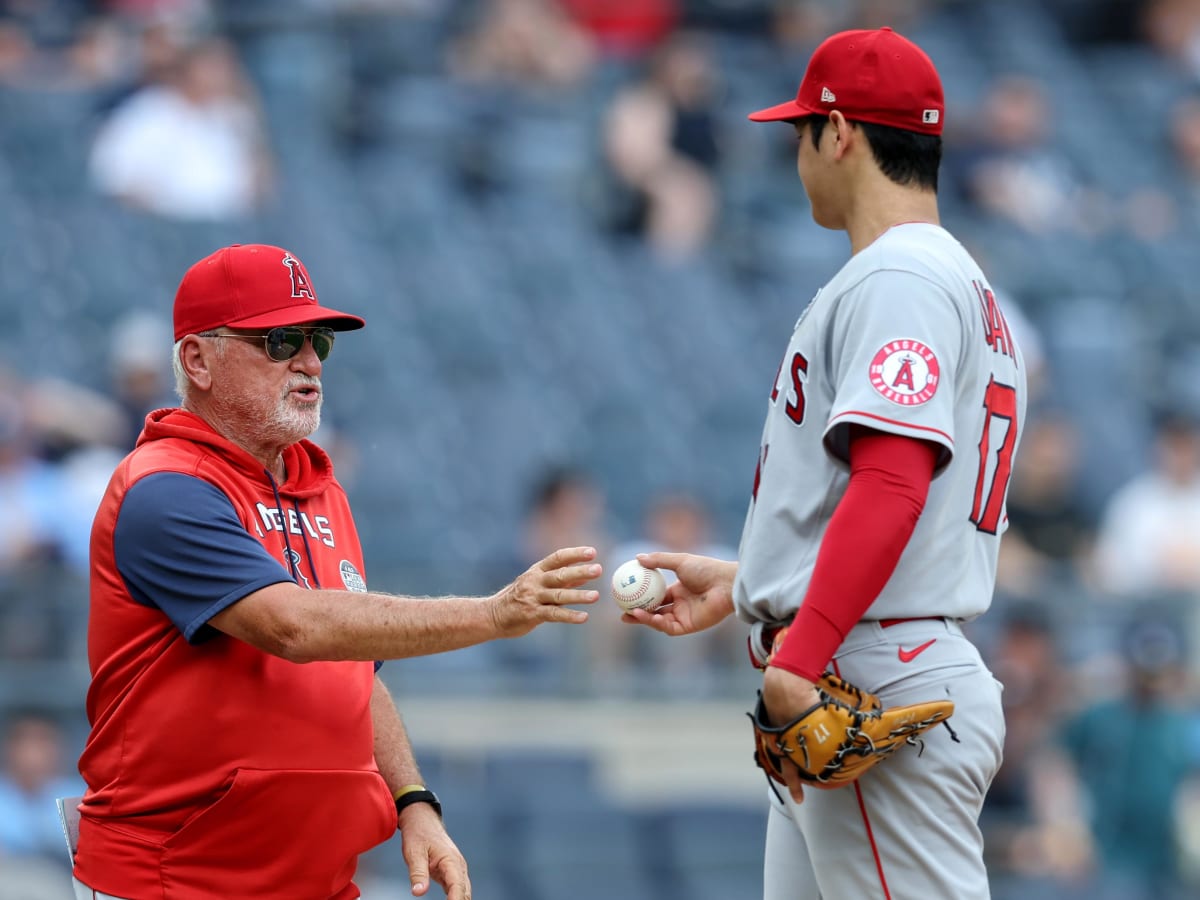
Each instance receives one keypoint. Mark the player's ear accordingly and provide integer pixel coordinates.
(195, 357)
(842, 133)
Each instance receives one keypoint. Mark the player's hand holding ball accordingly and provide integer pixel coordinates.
(700, 596)
(636, 587)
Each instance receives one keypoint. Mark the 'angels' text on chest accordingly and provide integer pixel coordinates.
(316, 527)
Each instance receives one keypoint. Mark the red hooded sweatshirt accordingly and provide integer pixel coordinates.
(215, 769)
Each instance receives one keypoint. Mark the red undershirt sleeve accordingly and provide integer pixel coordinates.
(889, 481)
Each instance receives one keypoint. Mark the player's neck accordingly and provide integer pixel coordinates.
(886, 206)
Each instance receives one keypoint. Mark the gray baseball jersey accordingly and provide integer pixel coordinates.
(907, 338)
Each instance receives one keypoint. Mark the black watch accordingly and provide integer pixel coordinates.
(419, 795)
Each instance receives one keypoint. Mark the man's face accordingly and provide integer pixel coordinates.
(273, 403)
(814, 168)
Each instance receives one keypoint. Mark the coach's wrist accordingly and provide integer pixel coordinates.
(416, 793)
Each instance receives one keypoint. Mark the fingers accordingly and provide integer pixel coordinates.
(670, 561)
(566, 556)
(451, 874)
(562, 614)
(418, 876)
(656, 620)
(571, 576)
(795, 784)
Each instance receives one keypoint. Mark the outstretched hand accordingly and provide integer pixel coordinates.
(543, 592)
(701, 597)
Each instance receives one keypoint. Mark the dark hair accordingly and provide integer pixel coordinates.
(906, 157)
(556, 481)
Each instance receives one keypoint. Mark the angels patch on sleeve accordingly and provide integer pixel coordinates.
(906, 372)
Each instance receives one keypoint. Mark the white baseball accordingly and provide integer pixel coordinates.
(636, 587)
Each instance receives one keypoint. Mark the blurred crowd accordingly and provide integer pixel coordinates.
(1083, 204)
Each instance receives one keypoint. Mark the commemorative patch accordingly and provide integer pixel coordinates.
(906, 372)
(350, 577)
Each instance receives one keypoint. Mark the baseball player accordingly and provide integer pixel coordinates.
(879, 497)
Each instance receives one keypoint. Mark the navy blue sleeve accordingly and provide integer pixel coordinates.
(180, 547)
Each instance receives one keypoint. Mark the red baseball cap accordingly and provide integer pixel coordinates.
(870, 76)
(251, 286)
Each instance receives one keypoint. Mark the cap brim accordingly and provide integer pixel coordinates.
(780, 112)
(301, 315)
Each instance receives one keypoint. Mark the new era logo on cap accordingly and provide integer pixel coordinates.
(828, 96)
(930, 116)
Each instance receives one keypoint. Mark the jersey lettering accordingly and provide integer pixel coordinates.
(795, 408)
(1000, 401)
(297, 523)
(995, 326)
(293, 558)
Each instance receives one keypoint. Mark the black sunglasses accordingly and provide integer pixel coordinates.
(285, 342)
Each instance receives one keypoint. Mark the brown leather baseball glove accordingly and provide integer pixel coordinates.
(842, 736)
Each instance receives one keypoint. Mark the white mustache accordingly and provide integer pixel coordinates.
(304, 381)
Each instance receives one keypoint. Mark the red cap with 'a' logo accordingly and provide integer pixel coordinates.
(251, 286)
(868, 76)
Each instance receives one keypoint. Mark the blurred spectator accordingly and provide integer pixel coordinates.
(1162, 208)
(1050, 531)
(156, 46)
(626, 29)
(1131, 796)
(1172, 29)
(34, 775)
(661, 151)
(1113, 21)
(1149, 536)
(160, 10)
(59, 45)
(795, 27)
(529, 43)
(1030, 819)
(1183, 139)
(676, 522)
(29, 487)
(79, 433)
(565, 508)
(192, 148)
(1009, 168)
(140, 374)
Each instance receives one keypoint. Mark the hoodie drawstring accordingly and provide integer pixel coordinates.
(292, 555)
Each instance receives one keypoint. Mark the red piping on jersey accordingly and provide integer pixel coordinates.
(862, 808)
(854, 412)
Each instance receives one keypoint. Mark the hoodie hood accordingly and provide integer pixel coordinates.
(309, 469)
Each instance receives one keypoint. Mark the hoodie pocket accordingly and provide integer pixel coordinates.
(279, 833)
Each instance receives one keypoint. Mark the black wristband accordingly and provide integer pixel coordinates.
(418, 795)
